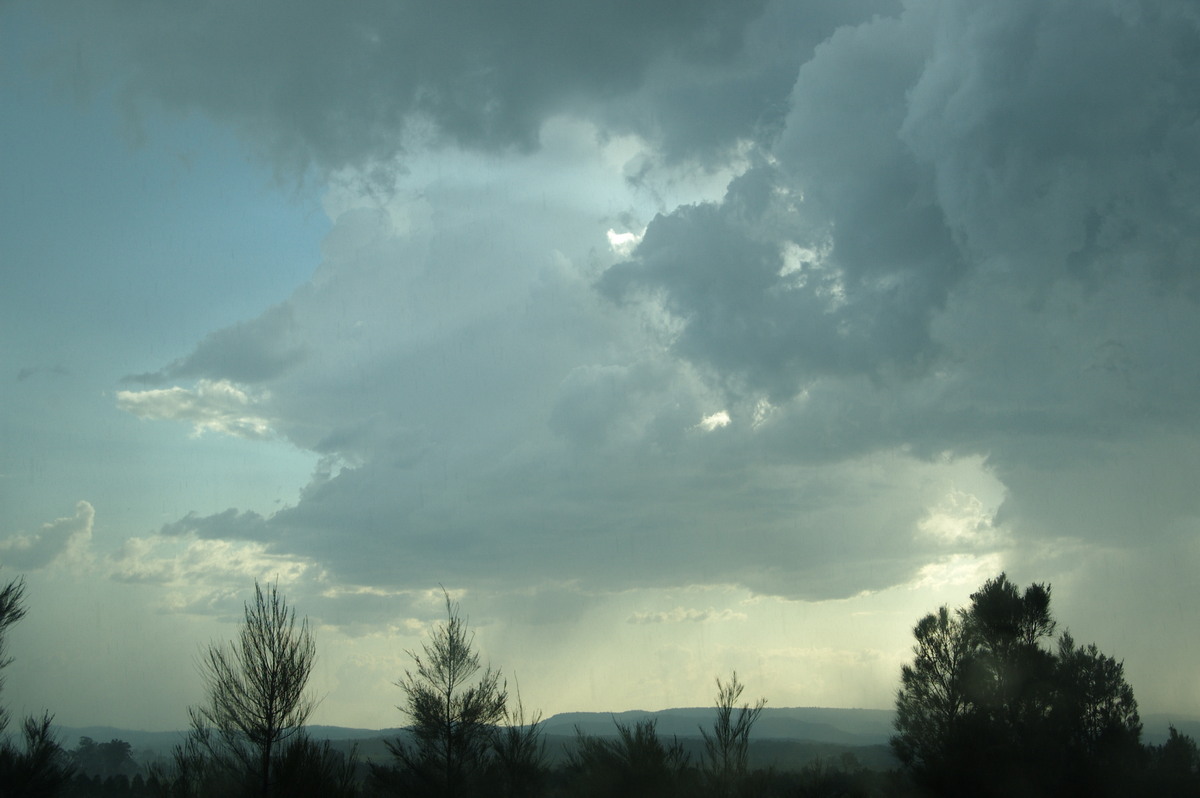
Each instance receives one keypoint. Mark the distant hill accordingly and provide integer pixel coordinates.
(1156, 727)
(784, 737)
(781, 736)
(816, 724)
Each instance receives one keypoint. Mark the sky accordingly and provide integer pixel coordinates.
(669, 339)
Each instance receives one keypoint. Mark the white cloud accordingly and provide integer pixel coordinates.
(213, 406)
(623, 244)
(207, 576)
(714, 421)
(958, 570)
(961, 520)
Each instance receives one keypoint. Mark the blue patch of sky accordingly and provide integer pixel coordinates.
(119, 253)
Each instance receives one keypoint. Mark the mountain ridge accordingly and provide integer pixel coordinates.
(827, 725)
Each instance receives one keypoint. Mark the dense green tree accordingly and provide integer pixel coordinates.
(989, 708)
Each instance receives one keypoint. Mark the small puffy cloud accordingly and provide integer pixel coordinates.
(218, 406)
(623, 244)
(60, 539)
(714, 421)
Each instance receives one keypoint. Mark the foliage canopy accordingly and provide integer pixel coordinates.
(987, 707)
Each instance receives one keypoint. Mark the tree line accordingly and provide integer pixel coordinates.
(994, 703)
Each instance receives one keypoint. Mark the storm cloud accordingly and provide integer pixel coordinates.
(937, 253)
(790, 302)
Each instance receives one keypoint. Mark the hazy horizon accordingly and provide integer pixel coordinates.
(671, 339)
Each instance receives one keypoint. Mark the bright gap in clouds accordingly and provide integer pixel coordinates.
(623, 244)
(715, 421)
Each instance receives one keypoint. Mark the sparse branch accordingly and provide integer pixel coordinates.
(12, 609)
(453, 711)
(256, 688)
(727, 747)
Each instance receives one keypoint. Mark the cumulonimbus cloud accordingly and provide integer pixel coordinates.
(923, 270)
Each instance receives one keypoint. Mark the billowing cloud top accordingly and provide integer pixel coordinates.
(675, 293)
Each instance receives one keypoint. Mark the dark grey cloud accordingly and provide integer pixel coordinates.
(249, 352)
(320, 82)
(32, 371)
(698, 109)
(774, 311)
(487, 419)
(955, 179)
(998, 199)
(781, 531)
(228, 525)
(1061, 136)
(926, 271)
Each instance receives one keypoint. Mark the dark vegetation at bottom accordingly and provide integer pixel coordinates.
(993, 704)
(1167, 770)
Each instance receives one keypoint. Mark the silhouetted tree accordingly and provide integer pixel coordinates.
(518, 765)
(453, 713)
(12, 609)
(305, 768)
(727, 747)
(104, 759)
(844, 777)
(634, 765)
(1174, 767)
(987, 709)
(40, 767)
(1094, 720)
(932, 703)
(256, 697)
